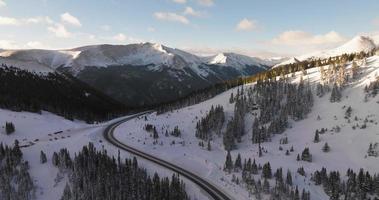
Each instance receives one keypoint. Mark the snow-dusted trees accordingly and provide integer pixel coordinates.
(283, 188)
(278, 101)
(152, 129)
(317, 137)
(9, 128)
(372, 89)
(67, 195)
(306, 155)
(228, 138)
(95, 175)
(359, 185)
(373, 150)
(235, 128)
(228, 162)
(354, 70)
(16, 182)
(289, 178)
(212, 122)
(43, 158)
(326, 147)
(336, 95)
(266, 170)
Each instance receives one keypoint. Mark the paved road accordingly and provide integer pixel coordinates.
(212, 190)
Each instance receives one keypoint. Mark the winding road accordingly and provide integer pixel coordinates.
(212, 190)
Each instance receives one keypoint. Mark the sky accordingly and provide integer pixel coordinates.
(251, 27)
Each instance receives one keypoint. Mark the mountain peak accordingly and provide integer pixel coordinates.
(357, 44)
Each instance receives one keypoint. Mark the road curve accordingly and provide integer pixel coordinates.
(212, 190)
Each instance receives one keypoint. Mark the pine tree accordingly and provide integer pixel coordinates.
(254, 167)
(67, 195)
(317, 137)
(354, 70)
(55, 159)
(348, 112)
(266, 171)
(306, 155)
(228, 162)
(43, 158)
(266, 186)
(326, 147)
(209, 148)
(238, 163)
(289, 178)
(9, 128)
(231, 99)
(155, 133)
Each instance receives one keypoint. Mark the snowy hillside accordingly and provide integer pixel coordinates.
(349, 143)
(355, 45)
(50, 133)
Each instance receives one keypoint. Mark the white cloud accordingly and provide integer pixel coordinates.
(2, 3)
(168, 16)
(8, 44)
(38, 20)
(151, 29)
(190, 11)
(69, 19)
(180, 1)
(246, 25)
(206, 2)
(59, 30)
(120, 37)
(304, 38)
(35, 45)
(9, 21)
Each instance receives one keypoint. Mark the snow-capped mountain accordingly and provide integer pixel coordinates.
(142, 54)
(137, 74)
(236, 60)
(357, 44)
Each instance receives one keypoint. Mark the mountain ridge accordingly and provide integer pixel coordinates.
(357, 44)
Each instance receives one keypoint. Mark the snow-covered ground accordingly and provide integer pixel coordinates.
(348, 147)
(49, 133)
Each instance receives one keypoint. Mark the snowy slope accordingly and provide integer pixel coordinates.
(36, 60)
(50, 133)
(355, 45)
(348, 147)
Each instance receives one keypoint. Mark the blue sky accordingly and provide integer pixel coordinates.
(251, 27)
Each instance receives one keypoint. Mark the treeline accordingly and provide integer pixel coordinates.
(65, 96)
(198, 96)
(361, 185)
(95, 175)
(15, 180)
